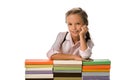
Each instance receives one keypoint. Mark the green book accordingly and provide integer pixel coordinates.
(97, 62)
(67, 68)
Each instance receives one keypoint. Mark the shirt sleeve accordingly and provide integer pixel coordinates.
(87, 53)
(56, 46)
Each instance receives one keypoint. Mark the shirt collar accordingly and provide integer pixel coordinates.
(68, 37)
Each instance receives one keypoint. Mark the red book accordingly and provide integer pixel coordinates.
(38, 61)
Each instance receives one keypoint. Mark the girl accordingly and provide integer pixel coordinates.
(75, 44)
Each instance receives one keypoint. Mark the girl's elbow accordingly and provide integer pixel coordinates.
(85, 56)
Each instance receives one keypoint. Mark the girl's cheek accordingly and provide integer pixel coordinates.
(80, 29)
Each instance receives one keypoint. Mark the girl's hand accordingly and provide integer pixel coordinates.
(83, 31)
(88, 59)
(77, 58)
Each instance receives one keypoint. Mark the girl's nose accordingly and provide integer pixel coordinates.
(74, 26)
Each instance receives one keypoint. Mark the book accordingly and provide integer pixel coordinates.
(67, 68)
(95, 70)
(96, 67)
(68, 65)
(95, 74)
(38, 75)
(38, 61)
(67, 62)
(67, 74)
(38, 66)
(39, 79)
(68, 71)
(39, 72)
(95, 78)
(97, 62)
(67, 78)
(41, 69)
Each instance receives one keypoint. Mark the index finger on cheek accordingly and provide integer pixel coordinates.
(84, 25)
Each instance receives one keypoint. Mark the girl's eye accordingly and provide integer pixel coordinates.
(78, 23)
(70, 24)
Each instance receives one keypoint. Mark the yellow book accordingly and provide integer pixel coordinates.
(39, 66)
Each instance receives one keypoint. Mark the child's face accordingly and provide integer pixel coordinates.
(74, 22)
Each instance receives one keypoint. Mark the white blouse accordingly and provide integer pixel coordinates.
(68, 47)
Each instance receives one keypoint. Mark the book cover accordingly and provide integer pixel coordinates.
(41, 69)
(39, 66)
(39, 79)
(95, 73)
(96, 67)
(38, 75)
(95, 78)
(38, 61)
(67, 62)
(96, 70)
(67, 74)
(97, 62)
(67, 78)
(67, 68)
(39, 72)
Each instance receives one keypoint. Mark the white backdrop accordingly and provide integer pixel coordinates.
(28, 28)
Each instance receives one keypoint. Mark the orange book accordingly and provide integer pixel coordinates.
(95, 70)
(96, 67)
(38, 61)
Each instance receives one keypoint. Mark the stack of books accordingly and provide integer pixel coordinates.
(38, 69)
(98, 69)
(67, 70)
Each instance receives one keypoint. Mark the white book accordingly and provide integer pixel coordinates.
(67, 62)
(38, 75)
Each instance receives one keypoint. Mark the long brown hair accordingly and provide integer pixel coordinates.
(84, 17)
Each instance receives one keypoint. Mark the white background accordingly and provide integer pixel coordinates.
(28, 28)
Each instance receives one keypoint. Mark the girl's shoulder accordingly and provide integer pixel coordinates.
(62, 34)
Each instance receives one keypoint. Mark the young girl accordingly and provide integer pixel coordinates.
(75, 44)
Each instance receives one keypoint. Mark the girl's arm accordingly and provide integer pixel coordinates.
(83, 43)
(85, 47)
(60, 56)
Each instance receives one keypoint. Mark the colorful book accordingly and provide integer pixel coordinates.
(95, 74)
(39, 79)
(67, 62)
(38, 61)
(67, 78)
(38, 76)
(68, 71)
(96, 67)
(39, 72)
(67, 74)
(41, 69)
(95, 78)
(38, 66)
(97, 62)
(96, 70)
(68, 65)
(45, 69)
(67, 68)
